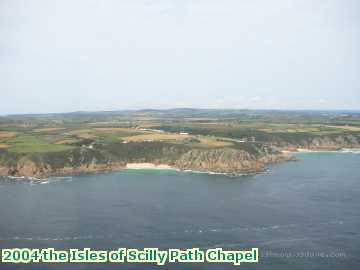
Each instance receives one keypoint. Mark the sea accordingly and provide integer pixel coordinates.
(302, 214)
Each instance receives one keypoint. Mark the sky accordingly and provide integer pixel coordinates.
(65, 55)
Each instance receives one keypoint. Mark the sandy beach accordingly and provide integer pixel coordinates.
(306, 150)
(141, 166)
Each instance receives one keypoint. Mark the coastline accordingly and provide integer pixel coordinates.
(323, 150)
(132, 167)
(31, 172)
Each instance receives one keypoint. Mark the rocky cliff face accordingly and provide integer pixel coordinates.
(29, 168)
(321, 142)
(60, 163)
(213, 160)
(226, 161)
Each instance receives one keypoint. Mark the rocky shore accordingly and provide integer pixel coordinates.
(228, 161)
(160, 155)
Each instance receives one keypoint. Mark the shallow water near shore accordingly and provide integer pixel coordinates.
(301, 215)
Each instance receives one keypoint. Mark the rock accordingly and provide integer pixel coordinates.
(226, 161)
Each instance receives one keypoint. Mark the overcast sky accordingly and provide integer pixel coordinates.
(66, 55)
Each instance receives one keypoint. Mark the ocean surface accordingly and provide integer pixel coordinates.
(301, 215)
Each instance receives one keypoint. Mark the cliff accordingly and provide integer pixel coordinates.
(328, 142)
(224, 160)
(239, 158)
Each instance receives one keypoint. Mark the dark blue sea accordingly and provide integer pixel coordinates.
(301, 215)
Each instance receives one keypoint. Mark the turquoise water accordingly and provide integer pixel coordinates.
(301, 215)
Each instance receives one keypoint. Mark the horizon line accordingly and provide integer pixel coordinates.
(178, 108)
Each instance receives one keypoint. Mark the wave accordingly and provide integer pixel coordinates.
(350, 150)
(218, 173)
(262, 228)
(44, 182)
(65, 238)
(343, 151)
(36, 181)
(16, 177)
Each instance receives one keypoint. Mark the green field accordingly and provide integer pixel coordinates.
(30, 144)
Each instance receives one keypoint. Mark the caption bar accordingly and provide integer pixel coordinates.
(124, 255)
